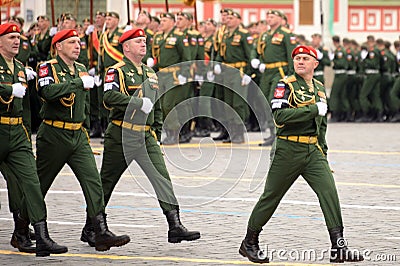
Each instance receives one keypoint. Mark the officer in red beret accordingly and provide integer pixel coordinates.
(131, 87)
(16, 148)
(299, 108)
(64, 85)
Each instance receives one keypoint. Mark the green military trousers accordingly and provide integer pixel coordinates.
(16, 153)
(57, 147)
(338, 100)
(15, 194)
(370, 98)
(121, 149)
(292, 159)
(395, 96)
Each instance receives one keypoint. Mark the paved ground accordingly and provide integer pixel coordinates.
(217, 186)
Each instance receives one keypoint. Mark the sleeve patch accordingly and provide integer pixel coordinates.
(43, 71)
(279, 91)
(110, 77)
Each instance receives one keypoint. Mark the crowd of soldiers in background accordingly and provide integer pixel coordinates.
(366, 85)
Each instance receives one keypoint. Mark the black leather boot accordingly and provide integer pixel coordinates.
(88, 235)
(339, 251)
(44, 244)
(21, 236)
(105, 239)
(177, 232)
(250, 249)
(270, 140)
(95, 131)
(238, 134)
(223, 135)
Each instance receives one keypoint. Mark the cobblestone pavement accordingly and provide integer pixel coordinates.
(217, 186)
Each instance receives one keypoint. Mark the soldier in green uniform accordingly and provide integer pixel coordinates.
(94, 33)
(350, 93)
(143, 20)
(131, 91)
(322, 56)
(370, 99)
(272, 58)
(204, 122)
(234, 53)
(16, 149)
(299, 109)
(395, 91)
(43, 39)
(62, 137)
(338, 101)
(170, 47)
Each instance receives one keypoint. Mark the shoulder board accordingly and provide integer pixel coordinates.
(318, 82)
(149, 31)
(23, 37)
(325, 49)
(80, 64)
(52, 61)
(120, 30)
(289, 79)
(159, 33)
(118, 65)
(243, 30)
(193, 32)
(178, 32)
(19, 62)
(286, 30)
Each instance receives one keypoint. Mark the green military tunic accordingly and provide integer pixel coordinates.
(389, 68)
(43, 44)
(300, 150)
(370, 98)
(132, 134)
(62, 137)
(16, 148)
(149, 42)
(338, 101)
(351, 104)
(83, 55)
(234, 53)
(274, 49)
(169, 49)
(323, 62)
(111, 48)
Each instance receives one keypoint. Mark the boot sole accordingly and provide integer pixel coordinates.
(46, 253)
(84, 239)
(14, 244)
(179, 239)
(244, 254)
(105, 247)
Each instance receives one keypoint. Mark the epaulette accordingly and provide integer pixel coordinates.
(318, 82)
(286, 30)
(243, 30)
(120, 30)
(118, 65)
(16, 60)
(150, 31)
(325, 49)
(23, 37)
(178, 32)
(79, 64)
(289, 79)
(193, 32)
(159, 32)
(52, 61)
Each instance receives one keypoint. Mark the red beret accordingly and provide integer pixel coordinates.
(63, 35)
(302, 49)
(131, 34)
(7, 28)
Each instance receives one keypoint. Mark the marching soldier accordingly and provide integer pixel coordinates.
(62, 137)
(94, 33)
(143, 21)
(369, 97)
(299, 108)
(234, 53)
(395, 91)
(338, 101)
(16, 149)
(43, 39)
(322, 56)
(273, 59)
(350, 93)
(170, 47)
(132, 88)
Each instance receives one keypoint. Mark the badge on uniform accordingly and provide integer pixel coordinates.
(43, 71)
(110, 77)
(279, 91)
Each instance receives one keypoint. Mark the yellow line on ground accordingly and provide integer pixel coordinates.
(143, 258)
